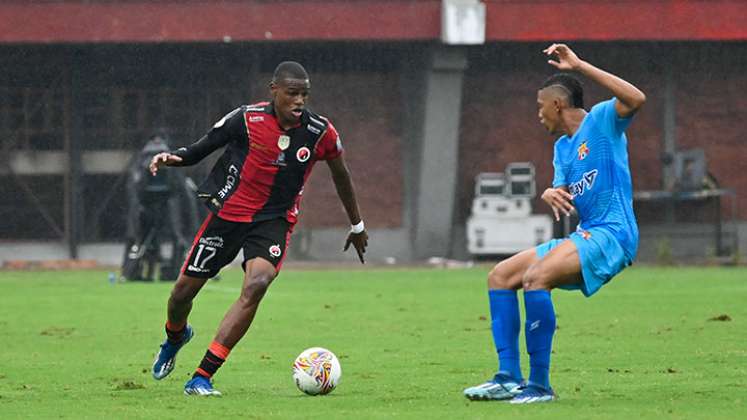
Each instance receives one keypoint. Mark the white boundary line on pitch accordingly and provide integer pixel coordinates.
(222, 289)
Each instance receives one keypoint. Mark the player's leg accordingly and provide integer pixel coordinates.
(561, 266)
(180, 301)
(257, 279)
(264, 251)
(503, 281)
(178, 332)
(209, 253)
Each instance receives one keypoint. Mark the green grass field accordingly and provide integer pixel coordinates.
(75, 346)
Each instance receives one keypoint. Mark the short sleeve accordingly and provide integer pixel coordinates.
(558, 179)
(605, 115)
(330, 145)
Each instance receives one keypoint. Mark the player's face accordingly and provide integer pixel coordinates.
(548, 110)
(289, 97)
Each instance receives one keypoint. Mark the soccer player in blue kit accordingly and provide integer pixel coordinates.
(592, 176)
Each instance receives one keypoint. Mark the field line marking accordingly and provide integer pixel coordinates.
(232, 290)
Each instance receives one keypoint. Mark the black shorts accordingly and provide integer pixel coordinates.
(218, 242)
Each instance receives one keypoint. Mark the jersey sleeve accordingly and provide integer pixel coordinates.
(605, 115)
(558, 179)
(330, 145)
(226, 129)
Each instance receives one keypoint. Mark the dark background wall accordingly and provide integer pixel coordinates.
(122, 92)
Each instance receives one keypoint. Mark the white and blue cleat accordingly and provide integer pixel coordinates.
(501, 387)
(534, 393)
(166, 357)
(200, 385)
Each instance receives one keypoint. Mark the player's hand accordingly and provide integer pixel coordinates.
(359, 241)
(163, 158)
(566, 58)
(560, 201)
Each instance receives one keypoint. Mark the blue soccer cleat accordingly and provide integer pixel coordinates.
(501, 387)
(166, 357)
(200, 385)
(534, 393)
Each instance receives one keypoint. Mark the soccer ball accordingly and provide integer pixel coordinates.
(316, 371)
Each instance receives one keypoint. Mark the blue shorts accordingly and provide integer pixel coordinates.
(602, 257)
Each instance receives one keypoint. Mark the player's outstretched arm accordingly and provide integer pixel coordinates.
(629, 97)
(358, 236)
(229, 127)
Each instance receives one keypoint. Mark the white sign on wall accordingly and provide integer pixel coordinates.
(462, 22)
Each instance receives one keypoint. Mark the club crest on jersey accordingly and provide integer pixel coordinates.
(275, 251)
(283, 142)
(583, 151)
(303, 154)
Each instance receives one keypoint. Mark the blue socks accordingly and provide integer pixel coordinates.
(539, 329)
(505, 324)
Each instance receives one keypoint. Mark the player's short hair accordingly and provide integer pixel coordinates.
(570, 84)
(289, 70)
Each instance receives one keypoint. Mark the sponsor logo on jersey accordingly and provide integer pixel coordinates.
(583, 151)
(585, 234)
(283, 142)
(258, 146)
(233, 176)
(214, 241)
(584, 184)
(313, 129)
(196, 269)
(256, 118)
(275, 250)
(303, 154)
(280, 161)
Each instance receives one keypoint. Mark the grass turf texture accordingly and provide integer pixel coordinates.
(75, 346)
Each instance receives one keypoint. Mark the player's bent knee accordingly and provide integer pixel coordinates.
(256, 287)
(499, 278)
(184, 292)
(535, 278)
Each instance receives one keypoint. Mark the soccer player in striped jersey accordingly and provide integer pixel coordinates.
(592, 177)
(254, 193)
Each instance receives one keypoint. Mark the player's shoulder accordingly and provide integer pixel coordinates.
(260, 107)
(603, 106)
(316, 122)
(561, 141)
(236, 113)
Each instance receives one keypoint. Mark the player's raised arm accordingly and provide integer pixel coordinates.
(629, 97)
(344, 185)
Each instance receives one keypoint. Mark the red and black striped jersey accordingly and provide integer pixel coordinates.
(262, 171)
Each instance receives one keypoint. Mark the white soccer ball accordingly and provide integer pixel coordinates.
(316, 371)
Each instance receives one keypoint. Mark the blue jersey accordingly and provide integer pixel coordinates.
(593, 164)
